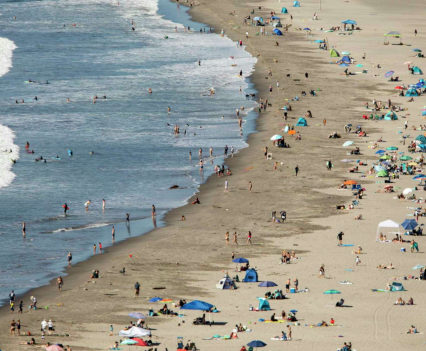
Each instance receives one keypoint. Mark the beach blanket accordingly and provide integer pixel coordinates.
(380, 290)
(279, 339)
(278, 321)
(346, 245)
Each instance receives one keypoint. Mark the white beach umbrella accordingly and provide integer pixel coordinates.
(407, 191)
(347, 143)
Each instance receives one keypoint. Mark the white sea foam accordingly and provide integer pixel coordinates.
(6, 134)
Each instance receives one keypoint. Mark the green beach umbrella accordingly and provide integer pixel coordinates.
(406, 158)
(382, 173)
(385, 157)
(419, 266)
(392, 148)
(332, 292)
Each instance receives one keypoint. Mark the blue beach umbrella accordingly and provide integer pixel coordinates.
(306, 28)
(240, 260)
(409, 224)
(380, 152)
(275, 18)
(345, 53)
(349, 22)
(419, 176)
(343, 65)
(417, 50)
(293, 311)
(197, 305)
(267, 284)
(256, 343)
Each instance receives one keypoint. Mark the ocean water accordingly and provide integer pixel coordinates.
(136, 156)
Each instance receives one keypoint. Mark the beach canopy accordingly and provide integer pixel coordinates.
(334, 53)
(251, 276)
(277, 31)
(256, 343)
(197, 305)
(267, 284)
(417, 70)
(264, 304)
(296, 4)
(389, 225)
(409, 224)
(346, 59)
(301, 122)
(240, 260)
(284, 10)
(135, 332)
(411, 92)
(393, 33)
(226, 283)
(391, 116)
(349, 22)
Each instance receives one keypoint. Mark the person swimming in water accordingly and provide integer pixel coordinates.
(27, 145)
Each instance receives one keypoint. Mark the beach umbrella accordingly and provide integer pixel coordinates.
(419, 176)
(393, 33)
(349, 125)
(277, 137)
(382, 173)
(419, 266)
(155, 299)
(306, 28)
(350, 182)
(359, 65)
(275, 18)
(349, 22)
(347, 143)
(140, 342)
(392, 148)
(413, 164)
(256, 343)
(385, 157)
(399, 87)
(345, 53)
(293, 311)
(408, 63)
(388, 187)
(319, 41)
(343, 65)
(257, 18)
(346, 160)
(128, 342)
(388, 74)
(386, 163)
(407, 191)
(240, 260)
(417, 50)
(54, 348)
(197, 305)
(137, 315)
(409, 224)
(332, 292)
(405, 158)
(267, 284)
(380, 152)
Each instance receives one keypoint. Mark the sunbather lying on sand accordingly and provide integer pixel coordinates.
(383, 266)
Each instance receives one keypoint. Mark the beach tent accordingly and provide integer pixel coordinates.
(421, 138)
(296, 4)
(251, 276)
(225, 284)
(346, 59)
(134, 332)
(349, 22)
(387, 226)
(277, 31)
(334, 53)
(424, 112)
(284, 10)
(301, 122)
(411, 92)
(391, 116)
(417, 70)
(397, 287)
(383, 173)
(264, 304)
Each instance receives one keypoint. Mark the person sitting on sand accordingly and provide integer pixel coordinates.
(273, 319)
(332, 321)
(358, 250)
(412, 330)
(323, 324)
(31, 342)
(196, 202)
(113, 346)
(359, 217)
(400, 302)
(243, 349)
(410, 302)
(388, 287)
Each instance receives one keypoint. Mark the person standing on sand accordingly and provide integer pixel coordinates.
(288, 332)
(60, 283)
(137, 288)
(287, 285)
(234, 239)
(250, 187)
(12, 327)
(296, 283)
(324, 121)
(226, 185)
(249, 238)
(23, 229)
(296, 169)
(113, 235)
(69, 258)
(357, 260)
(340, 237)
(227, 238)
(415, 32)
(266, 152)
(232, 256)
(306, 76)
(321, 272)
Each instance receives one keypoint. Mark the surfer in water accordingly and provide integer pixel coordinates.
(150, 90)
(23, 229)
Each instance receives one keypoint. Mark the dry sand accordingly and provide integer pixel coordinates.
(188, 257)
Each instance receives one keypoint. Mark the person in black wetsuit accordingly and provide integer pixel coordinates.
(65, 208)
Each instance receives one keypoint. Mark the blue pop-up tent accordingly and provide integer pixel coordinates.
(411, 92)
(346, 59)
(251, 276)
(277, 31)
(302, 122)
(284, 10)
(296, 4)
(417, 70)
(391, 116)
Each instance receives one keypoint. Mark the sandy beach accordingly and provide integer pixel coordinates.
(187, 258)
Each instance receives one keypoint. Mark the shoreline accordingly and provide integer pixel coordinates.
(189, 257)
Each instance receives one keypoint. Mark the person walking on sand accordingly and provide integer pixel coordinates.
(288, 332)
(59, 283)
(287, 285)
(23, 229)
(296, 169)
(357, 260)
(69, 258)
(234, 239)
(296, 283)
(137, 288)
(226, 185)
(250, 187)
(249, 238)
(415, 32)
(113, 235)
(324, 121)
(227, 238)
(340, 237)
